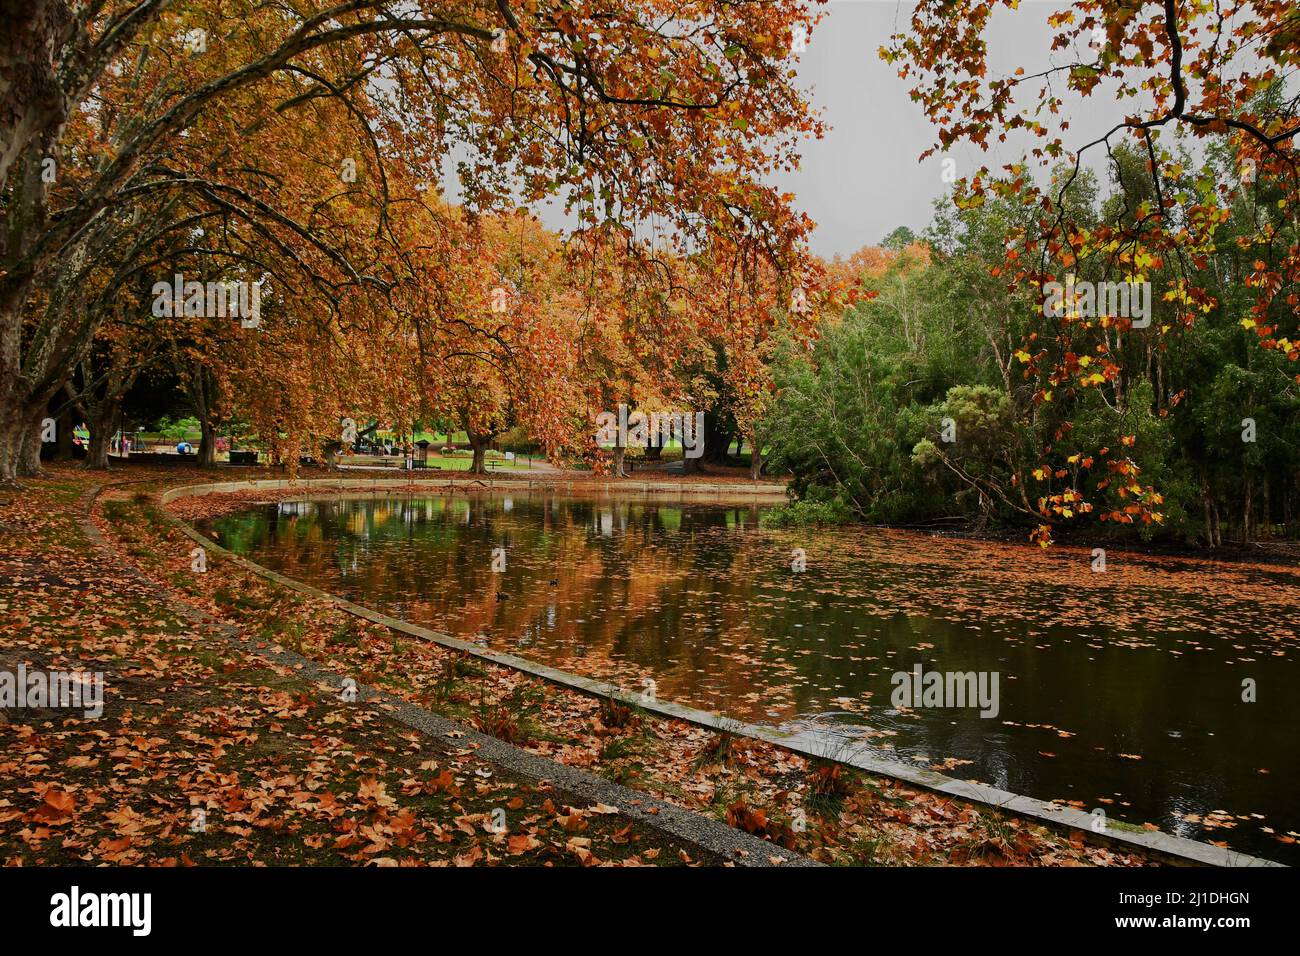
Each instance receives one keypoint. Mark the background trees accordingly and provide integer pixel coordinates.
(305, 151)
(1200, 177)
(860, 419)
(296, 134)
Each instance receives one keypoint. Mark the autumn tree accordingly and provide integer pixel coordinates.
(626, 105)
(1191, 76)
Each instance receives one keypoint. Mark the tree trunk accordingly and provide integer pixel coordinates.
(207, 443)
(755, 460)
(1205, 506)
(11, 448)
(63, 446)
(1245, 508)
(101, 436)
(32, 103)
(1286, 509)
(479, 443)
(619, 453)
(717, 438)
(29, 457)
(204, 395)
(1264, 529)
(20, 442)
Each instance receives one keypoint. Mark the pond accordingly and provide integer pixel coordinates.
(1119, 689)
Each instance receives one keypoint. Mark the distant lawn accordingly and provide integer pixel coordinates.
(457, 462)
(462, 463)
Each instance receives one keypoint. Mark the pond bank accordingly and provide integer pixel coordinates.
(720, 491)
(217, 746)
(806, 745)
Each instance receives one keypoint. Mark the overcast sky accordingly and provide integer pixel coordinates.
(864, 179)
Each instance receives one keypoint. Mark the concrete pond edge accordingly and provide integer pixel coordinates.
(1162, 846)
(705, 833)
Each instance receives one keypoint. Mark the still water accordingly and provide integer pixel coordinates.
(1120, 690)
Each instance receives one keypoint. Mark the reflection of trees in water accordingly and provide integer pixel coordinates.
(714, 615)
(650, 587)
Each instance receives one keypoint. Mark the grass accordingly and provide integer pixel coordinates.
(512, 719)
(453, 673)
(437, 462)
(616, 715)
(716, 751)
(829, 785)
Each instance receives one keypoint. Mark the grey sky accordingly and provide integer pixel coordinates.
(863, 179)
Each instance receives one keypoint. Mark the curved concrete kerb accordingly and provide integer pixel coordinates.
(737, 492)
(1173, 849)
(732, 845)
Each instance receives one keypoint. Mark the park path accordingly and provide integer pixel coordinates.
(217, 745)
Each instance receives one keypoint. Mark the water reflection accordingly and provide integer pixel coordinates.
(1120, 691)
